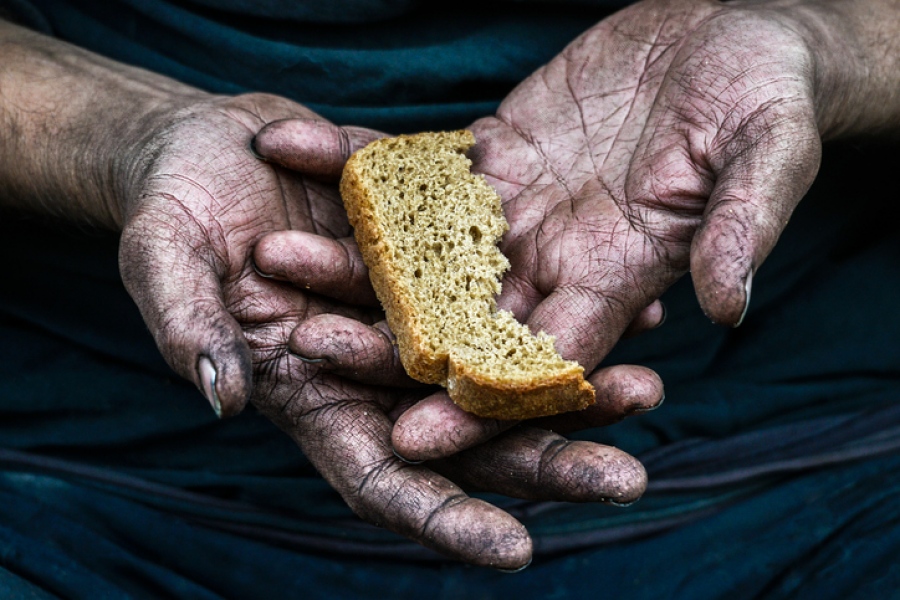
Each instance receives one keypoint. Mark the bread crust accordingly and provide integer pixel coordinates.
(420, 362)
(565, 391)
(542, 397)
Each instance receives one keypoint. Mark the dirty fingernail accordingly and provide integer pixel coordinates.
(309, 361)
(517, 569)
(618, 504)
(748, 285)
(254, 151)
(665, 314)
(259, 271)
(646, 409)
(207, 374)
(406, 460)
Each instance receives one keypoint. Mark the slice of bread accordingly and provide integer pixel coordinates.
(428, 231)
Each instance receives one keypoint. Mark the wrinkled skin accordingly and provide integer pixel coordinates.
(672, 136)
(195, 211)
(654, 143)
(357, 351)
(680, 139)
(201, 203)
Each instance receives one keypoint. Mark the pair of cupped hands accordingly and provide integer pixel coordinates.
(673, 136)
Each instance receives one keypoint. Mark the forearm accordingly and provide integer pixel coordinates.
(857, 72)
(70, 122)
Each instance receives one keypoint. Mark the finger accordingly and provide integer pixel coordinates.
(311, 146)
(621, 391)
(536, 464)
(179, 294)
(351, 349)
(650, 318)
(328, 267)
(518, 296)
(734, 156)
(436, 427)
(511, 165)
(760, 179)
(587, 321)
(346, 437)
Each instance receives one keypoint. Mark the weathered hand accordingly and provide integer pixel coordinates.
(340, 411)
(673, 135)
(201, 207)
(121, 147)
(200, 200)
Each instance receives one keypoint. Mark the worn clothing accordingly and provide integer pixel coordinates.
(774, 463)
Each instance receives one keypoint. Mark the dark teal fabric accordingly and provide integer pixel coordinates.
(771, 463)
(774, 465)
(417, 66)
(827, 534)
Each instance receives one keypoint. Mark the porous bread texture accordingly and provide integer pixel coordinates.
(428, 230)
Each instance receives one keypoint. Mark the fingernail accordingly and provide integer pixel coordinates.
(647, 409)
(665, 314)
(207, 373)
(309, 361)
(260, 273)
(254, 151)
(748, 284)
(612, 502)
(406, 460)
(517, 569)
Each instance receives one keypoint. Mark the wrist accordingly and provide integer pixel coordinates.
(78, 122)
(857, 58)
(130, 155)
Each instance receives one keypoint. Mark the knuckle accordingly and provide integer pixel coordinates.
(368, 498)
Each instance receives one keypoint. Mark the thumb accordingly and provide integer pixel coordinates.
(311, 146)
(588, 321)
(760, 179)
(179, 294)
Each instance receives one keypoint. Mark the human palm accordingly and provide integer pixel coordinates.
(208, 227)
(670, 137)
(194, 213)
(664, 138)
